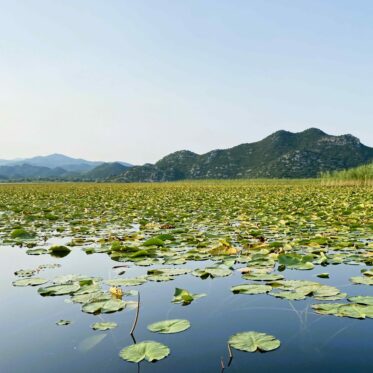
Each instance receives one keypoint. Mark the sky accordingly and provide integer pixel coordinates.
(134, 80)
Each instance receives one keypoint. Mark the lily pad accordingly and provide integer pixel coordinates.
(323, 275)
(262, 276)
(353, 310)
(147, 350)
(25, 272)
(185, 297)
(58, 289)
(169, 326)
(211, 272)
(368, 300)
(63, 322)
(362, 280)
(126, 281)
(30, 281)
(296, 261)
(104, 325)
(103, 306)
(251, 289)
(289, 295)
(59, 251)
(36, 251)
(253, 341)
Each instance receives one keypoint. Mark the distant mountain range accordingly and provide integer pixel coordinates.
(281, 155)
(59, 167)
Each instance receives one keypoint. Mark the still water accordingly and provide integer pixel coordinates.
(30, 340)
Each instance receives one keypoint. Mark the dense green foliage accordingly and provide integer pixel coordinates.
(363, 174)
(280, 155)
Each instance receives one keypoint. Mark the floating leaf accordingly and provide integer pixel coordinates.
(251, 289)
(262, 276)
(185, 297)
(22, 234)
(289, 295)
(58, 289)
(30, 281)
(169, 326)
(63, 322)
(59, 251)
(103, 306)
(126, 281)
(368, 300)
(36, 251)
(25, 272)
(362, 280)
(104, 325)
(296, 261)
(147, 350)
(211, 272)
(253, 341)
(356, 311)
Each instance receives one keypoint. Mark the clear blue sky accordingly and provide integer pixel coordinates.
(135, 80)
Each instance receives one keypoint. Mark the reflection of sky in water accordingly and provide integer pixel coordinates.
(31, 342)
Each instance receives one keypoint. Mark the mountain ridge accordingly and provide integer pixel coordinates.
(283, 154)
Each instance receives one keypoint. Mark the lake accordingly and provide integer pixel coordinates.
(310, 342)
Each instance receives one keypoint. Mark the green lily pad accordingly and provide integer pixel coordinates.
(147, 350)
(169, 271)
(22, 234)
(296, 261)
(36, 251)
(353, 310)
(63, 322)
(253, 341)
(25, 272)
(169, 326)
(185, 297)
(155, 241)
(159, 278)
(126, 281)
(251, 289)
(262, 276)
(59, 251)
(289, 295)
(323, 275)
(104, 325)
(58, 289)
(211, 272)
(30, 281)
(103, 306)
(368, 300)
(362, 280)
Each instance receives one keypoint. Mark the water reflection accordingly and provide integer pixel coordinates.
(31, 341)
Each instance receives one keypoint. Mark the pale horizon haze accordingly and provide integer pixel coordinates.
(136, 80)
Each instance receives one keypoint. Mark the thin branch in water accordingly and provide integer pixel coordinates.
(222, 364)
(137, 314)
(230, 351)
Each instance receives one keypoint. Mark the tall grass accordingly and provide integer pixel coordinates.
(362, 175)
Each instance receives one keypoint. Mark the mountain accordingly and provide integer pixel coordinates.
(55, 160)
(281, 155)
(59, 167)
(26, 171)
(105, 171)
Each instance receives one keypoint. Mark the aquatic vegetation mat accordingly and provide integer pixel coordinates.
(266, 236)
